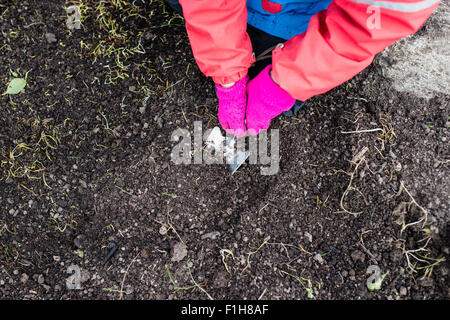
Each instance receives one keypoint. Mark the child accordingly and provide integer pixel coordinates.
(301, 48)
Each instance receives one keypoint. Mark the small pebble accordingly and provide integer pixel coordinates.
(41, 279)
(50, 37)
(308, 236)
(24, 278)
(318, 258)
(163, 230)
(179, 251)
(403, 291)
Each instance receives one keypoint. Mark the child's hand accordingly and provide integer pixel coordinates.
(266, 100)
(232, 103)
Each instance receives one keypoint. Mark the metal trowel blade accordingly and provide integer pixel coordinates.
(237, 160)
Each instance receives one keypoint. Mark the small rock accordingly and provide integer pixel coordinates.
(403, 291)
(129, 290)
(144, 254)
(50, 37)
(179, 251)
(163, 230)
(211, 235)
(85, 275)
(24, 278)
(396, 256)
(200, 255)
(78, 241)
(308, 236)
(148, 35)
(83, 184)
(46, 287)
(398, 166)
(318, 258)
(41, 279)
(358, 256)
(221, 279)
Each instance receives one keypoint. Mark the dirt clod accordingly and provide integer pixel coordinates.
(179, 252)
(358, 256)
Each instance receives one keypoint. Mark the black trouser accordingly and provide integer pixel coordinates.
(261, 41)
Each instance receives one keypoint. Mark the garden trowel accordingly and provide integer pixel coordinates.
(226, 144)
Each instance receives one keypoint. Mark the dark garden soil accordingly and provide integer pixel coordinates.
(86, 168)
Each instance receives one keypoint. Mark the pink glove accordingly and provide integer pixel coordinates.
(266, 100)
(232, 103)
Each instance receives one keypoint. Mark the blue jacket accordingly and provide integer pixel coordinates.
(283, 18)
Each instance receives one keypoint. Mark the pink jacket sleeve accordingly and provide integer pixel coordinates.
(343, 40)
(218, 37)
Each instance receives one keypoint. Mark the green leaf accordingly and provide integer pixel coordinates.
(79, 253)
(169, 195)
(309, 293)
(16, 86)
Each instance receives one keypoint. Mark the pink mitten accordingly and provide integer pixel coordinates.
(232, 103)
(266, 100)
